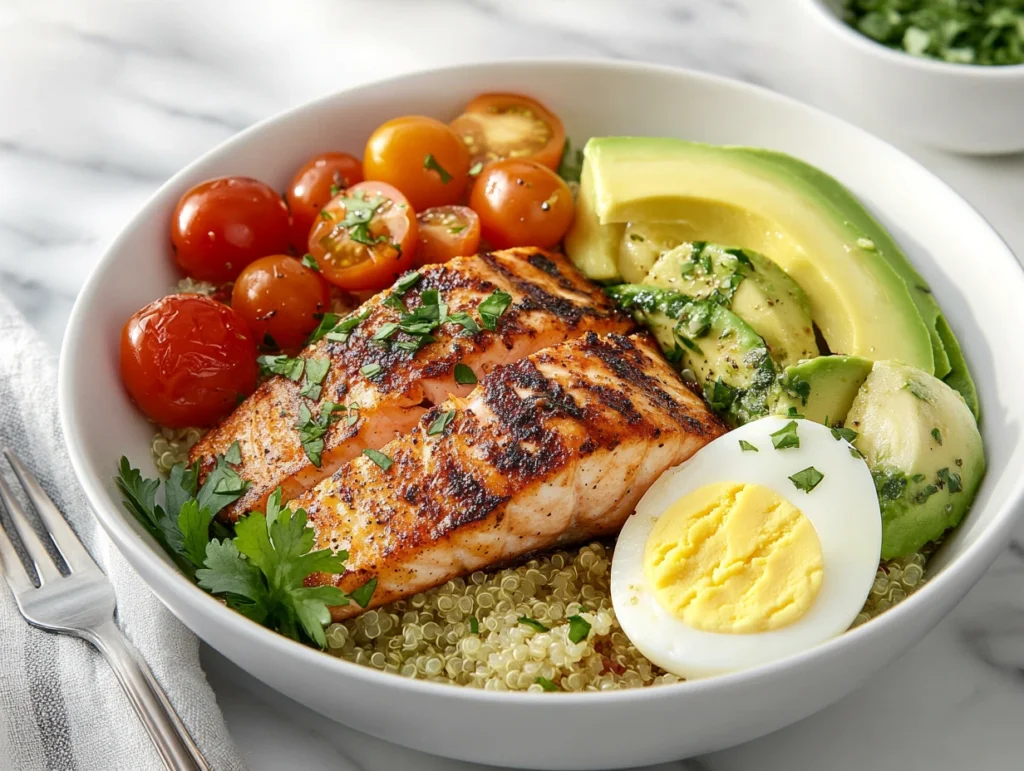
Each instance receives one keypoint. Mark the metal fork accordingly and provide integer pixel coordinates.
(82, 604)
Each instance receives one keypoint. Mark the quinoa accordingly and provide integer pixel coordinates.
(171, 445)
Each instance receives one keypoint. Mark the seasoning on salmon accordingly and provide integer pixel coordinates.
(403, 351)
(549, 450)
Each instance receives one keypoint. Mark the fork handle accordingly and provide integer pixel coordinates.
(169, 735)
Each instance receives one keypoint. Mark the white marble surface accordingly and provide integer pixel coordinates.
(101, 100)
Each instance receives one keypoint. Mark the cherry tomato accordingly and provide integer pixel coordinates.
(498, 126)
(365, 237)
(522, 203)
(280, 297)
(420, 156)
(316, 183)
(222, 225)
(446, 232)
(187, 360)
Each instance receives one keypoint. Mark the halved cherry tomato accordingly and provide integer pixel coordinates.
(317, 182)
(522, 203)
(221, 225)
(280, 297)
(446, 232)
(187, 360)
(498, 126)
(420, 156)
(365, 238)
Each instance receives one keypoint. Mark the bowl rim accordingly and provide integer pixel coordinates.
(828, 18)
(115, 521)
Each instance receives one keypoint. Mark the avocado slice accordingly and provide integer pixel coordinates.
(923, 446)
(751, 286)
(823, 389)
(800, 218)
(959, 378)
(643, 245)
(728, 360)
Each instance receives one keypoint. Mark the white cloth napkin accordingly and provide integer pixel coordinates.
(60, 705)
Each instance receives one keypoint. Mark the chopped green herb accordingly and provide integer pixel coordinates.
(359, 211)
(747, 446)
(571, 165)
(919, 390)
(937, 435)
(464, 375)
(324, 214)
(465, 321)
(792, 412)
(951, 480)
(371, 371)
(855, 453)
(493, 307)
(807, 479)
(430, 164)
(890, 484)
(312, 430)
(844, 433)
(385, 332)
(234, 454)
(476, 168)
(364, 593)
(579, 628)
(336, 328)
(406, 282)
(440, 423)
(786, 437)
(335, 189)
(379, 458)
(720, 395)
(456, 229)
(533, 624)
(474, 625)
(281, 365)
(310, 262)
(547, 685)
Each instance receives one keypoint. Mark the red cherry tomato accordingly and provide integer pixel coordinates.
(317, 182)
(280, 298)
(522, 203)
(187, 360)
(446, 232)
(222, 225)
(365, 237)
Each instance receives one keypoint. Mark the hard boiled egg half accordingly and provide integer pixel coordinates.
(763, 544)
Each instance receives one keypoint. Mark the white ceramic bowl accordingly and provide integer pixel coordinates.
(939, 230)
(958, 107)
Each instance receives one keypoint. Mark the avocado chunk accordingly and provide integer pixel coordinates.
(644, 244)
(801, 219)
(924, 449)
(728, 360)
(751, 286)
(823, 389)
(959, 378)
(594, 246)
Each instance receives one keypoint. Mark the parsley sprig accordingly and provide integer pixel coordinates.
(313, 429)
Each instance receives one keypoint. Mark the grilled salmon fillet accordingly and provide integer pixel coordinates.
(387, 389)
(552, 449)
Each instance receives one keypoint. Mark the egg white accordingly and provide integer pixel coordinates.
(843, 509)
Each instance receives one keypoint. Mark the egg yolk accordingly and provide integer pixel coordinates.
(734, 558)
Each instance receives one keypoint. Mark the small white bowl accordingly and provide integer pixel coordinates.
(584, 730)
(963, 108)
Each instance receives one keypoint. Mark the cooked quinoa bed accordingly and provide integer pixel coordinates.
(431, 635)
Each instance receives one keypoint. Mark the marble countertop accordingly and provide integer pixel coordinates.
(102, 100)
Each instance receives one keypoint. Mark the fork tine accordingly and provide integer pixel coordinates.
(45, 569)
(10, 565)
(71, 548)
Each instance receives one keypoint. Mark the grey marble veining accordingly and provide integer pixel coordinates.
(102, 100)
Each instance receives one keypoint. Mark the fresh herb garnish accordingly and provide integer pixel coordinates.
(951, 480)
(379, 458)
(855, 453)
(385, 332)
(464, 375)
(430, 164)
(310, 262)
(335, 189)
(316, 371)
(937, 435)
(579, 628)
(786, 437)
(807, 479)
(476, 168)
(474, 625)
(342, 330)
(281, 365)
(359, 211)
(571, 164)
(456, 229)
(720, 395)
(493, 307)
(312, 430)
(406, 282)
(546, 684)
(440, 423)
(364, 593)
(371, 371)
(533, 624)
(844, 433)
(465, 321)
(919, 390)
(747, 446)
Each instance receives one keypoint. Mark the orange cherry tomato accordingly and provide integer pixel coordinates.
(365, 237)
(221, 225)
(281, 298)
(522, 203)
(446, 232)
(420, 156)
(317, 182)
(499, 126)
(187, 360)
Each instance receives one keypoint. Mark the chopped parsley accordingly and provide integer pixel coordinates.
(359, 212)
(533, 624)
(281, 365)
(720, 395)
(430, 164)
(310, 262)
(546, 684)
(579, 628)
(335, 189)
(440, 423)
(337, 329)
(476, 168)
(316, 371)
(807, 479)
(406, 282)
(371, 371)
(385, 332)
(937, 435)
(792, 412)
(747, 446)
(465, 321)
(312, 430)
(491, 308)
(951, 480)
(571, 165)
(379, 458)
(364, 593)
(474, 625)
(844, 433)
(786, 437)
(464, 375)
(456, 229)
(918, 390)
(890, 484)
